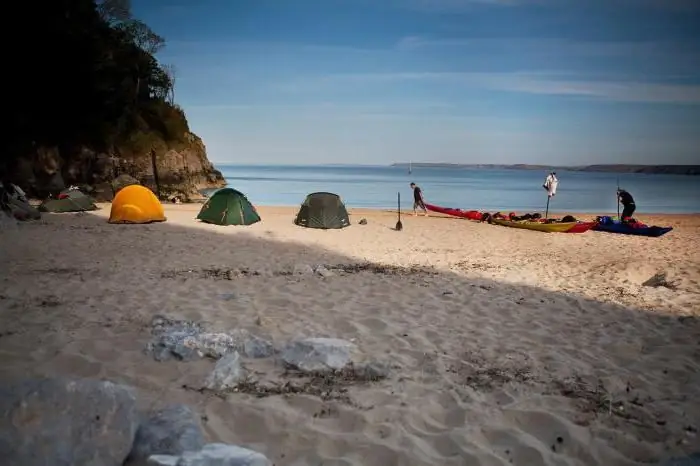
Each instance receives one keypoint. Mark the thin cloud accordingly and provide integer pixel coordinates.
(613, 91)
(459, 6)
(249, 45)
(537, 83)
(673, 5)
(604, 58)
(547, 45)
(402, 107)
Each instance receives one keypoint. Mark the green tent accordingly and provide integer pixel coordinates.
(323, 210)
(227, 206)
(69, 201)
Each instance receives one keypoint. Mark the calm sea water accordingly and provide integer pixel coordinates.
(482, 189)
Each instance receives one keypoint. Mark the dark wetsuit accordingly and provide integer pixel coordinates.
(418, 199)
(628, 205)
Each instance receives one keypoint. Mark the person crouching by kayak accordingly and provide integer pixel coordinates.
(418, 200)
(628, 205)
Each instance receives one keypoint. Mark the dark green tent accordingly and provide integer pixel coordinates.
(227, 206)
(323, 210)
(69, 201)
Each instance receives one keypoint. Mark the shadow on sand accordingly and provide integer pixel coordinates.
(486, 372)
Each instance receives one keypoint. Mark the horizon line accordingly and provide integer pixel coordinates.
(457, 164)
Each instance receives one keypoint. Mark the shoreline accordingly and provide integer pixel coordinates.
(409, 211)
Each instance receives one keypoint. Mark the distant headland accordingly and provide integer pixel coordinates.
(612, 168)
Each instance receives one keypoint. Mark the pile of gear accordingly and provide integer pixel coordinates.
(13, 202)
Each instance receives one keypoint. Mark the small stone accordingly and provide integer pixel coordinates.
(373, 370)
(183, 352)
(227, 373)
(303, 269)
(213, 454)
(318, 354)
(324, 272)
(363, 221)
(163, 460)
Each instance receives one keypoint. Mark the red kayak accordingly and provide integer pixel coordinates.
(469, 214)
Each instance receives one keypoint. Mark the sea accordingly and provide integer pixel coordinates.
(379, 187)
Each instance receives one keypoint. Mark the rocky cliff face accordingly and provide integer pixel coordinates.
(182, 169)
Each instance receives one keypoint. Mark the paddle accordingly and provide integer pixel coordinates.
(617, 195)
(546, 212)
(399, 225)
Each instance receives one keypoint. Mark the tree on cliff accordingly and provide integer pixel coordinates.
(85, 74)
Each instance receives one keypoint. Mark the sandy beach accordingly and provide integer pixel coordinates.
(506, 346)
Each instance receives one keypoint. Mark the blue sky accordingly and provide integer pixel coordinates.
(464, 81)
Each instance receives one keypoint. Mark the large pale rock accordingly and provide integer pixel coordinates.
(213, 454)
(64, 422)
(318, 354)
(169, 431)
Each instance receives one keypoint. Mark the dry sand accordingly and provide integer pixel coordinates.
(509, 346)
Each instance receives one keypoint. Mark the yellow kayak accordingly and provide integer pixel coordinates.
(537, 226)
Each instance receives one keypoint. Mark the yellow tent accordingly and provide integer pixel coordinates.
(136, 204)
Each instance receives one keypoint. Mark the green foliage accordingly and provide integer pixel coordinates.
(158, 126)
(89, 76)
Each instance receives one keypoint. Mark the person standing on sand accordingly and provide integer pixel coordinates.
(628, 205)
(418, 200)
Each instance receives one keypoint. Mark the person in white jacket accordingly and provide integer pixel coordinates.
(550, 184)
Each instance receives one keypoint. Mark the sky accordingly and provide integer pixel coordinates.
(565, 82)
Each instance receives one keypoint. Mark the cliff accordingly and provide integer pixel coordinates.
(90, 101)
(182, 167)
(648, 169)
(607, 168)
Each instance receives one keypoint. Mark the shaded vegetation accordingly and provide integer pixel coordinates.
(85, 75)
